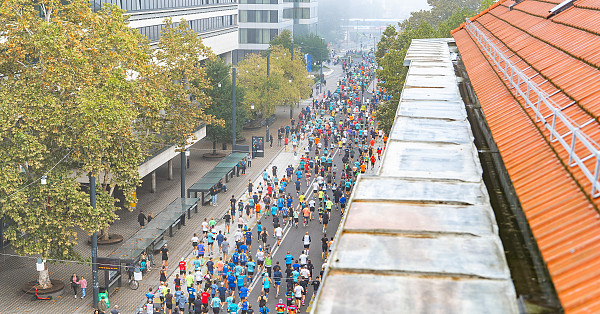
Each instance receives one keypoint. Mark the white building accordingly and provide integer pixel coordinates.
(305, 16)
(214, 20)
(261, 20)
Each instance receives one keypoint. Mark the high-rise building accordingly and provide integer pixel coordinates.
(261, 20)
(304, 14)
(214, 20)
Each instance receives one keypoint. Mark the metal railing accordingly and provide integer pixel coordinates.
(539, 100)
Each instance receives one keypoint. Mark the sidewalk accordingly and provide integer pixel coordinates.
(16, 270)
(281, 161)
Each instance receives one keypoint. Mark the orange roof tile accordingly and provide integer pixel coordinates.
(561, 55)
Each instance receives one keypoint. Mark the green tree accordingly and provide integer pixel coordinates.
(295, 83)
(179, 60)
(283, 39)
(261, 92)
(313, 45)
(444, 16)
(69, 103)
(221, 106)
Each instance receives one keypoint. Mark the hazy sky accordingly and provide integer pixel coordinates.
(383, 9)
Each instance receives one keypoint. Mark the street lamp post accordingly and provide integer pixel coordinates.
(95, 288)
(268, 74)
(321, 68)
(233, 130)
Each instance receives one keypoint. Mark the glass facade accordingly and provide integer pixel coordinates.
(259, 16)
(199, 26)
(299, 13)
(257, 35)
(149, 5)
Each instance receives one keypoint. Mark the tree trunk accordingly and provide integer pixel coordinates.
(104, 234)
(44, 279)
(214, 144)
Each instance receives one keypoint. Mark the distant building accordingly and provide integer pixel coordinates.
(305, 16)
(261, 20)
(214, 20)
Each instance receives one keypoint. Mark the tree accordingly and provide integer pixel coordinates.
(69, 105)
(314, 46)
(182, 79)
(443, 16)
(385, 42)
(261, 91)
(295, 84)
(221, 106)
(283, 39)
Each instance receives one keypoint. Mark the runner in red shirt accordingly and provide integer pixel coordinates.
(182, 266)
(205, 295)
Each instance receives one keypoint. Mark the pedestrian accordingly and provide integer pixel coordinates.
(249, 185)
(165, 256)
(74, 284)
(115, 310)
(82, 284)
(103, 305)
(142, 219)
(150, 217)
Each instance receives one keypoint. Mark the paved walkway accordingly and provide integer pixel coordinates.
(16, 269)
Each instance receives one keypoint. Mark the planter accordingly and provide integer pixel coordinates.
(57, 288)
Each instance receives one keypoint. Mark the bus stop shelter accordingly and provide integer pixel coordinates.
(224, 169)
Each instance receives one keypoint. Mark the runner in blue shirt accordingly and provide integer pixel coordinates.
(250, 266)
(231, 281)
(277, 279)
(288, 258)
(243, 292)
(240, 281)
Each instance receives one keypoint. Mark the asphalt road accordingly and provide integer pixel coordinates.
(292, 241)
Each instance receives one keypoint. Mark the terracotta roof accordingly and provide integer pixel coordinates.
(561, 55)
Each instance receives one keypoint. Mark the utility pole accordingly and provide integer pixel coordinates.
(321, 75)
(268, 73)
(233, 131)
(94, 245)
(182, 154)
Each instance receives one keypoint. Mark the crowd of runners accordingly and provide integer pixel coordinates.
(228, 263)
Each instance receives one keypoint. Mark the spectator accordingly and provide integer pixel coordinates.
(142, 219)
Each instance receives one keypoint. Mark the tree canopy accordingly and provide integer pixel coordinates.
(287, 82)
(69, 105)
(284, 39)
(313, 45)
(183, 81)
(82, 94)
(220, 107)
(437, 22)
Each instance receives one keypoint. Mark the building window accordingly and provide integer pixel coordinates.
(146, 5)
(256, 35)
(259, 16)
(198, 26)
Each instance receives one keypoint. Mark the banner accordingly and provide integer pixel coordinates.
(308, 62)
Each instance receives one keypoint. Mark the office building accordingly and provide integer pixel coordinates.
(214, 20)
